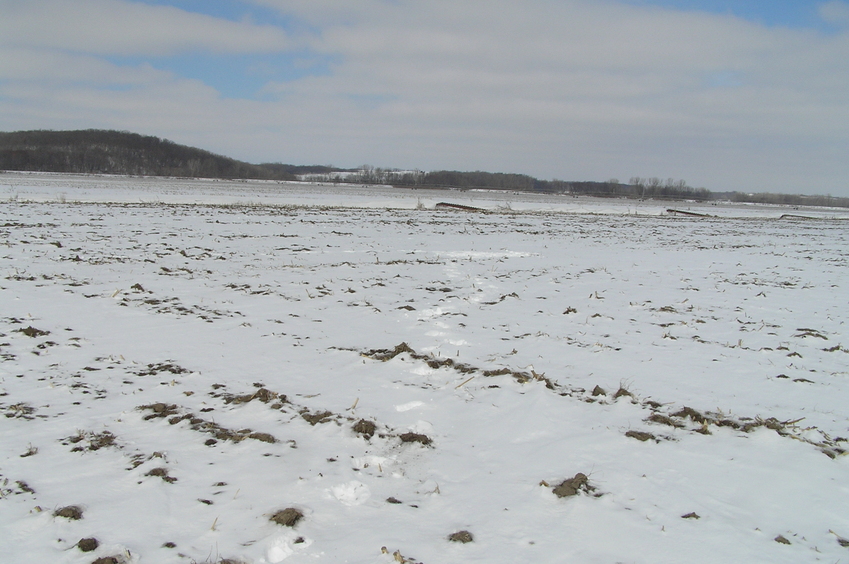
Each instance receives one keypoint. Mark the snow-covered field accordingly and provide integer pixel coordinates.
(179, 368)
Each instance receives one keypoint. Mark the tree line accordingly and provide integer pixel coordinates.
(121, 152)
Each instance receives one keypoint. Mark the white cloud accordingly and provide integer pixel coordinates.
(118, 27)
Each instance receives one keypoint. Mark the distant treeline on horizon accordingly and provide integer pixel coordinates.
(96, 151)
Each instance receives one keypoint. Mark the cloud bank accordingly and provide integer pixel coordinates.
(578, 90)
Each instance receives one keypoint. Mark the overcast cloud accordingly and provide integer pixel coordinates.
(576, 90)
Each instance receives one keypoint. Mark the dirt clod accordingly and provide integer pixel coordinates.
(639, 435)
(33, 332)
(461, 536)
(288, 517)
(664, 420)
(107, 560)
(692, 414)
(318, 417)
(162, 473)
(692, 515)
(365, 428)
(72, 512)
(88, 544)
(781, 540)
(415, 438)
(598, 391)
(571, 486)
(622, 392)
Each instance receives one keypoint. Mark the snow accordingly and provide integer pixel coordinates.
(150, 329)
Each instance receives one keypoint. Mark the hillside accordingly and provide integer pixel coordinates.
(121, 152)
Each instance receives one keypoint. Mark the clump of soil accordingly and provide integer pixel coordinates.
(318, 417)
(162, 473)
(461, 536)
(24, 487)
(365, 428)
(571, 486)
(393, 500)
(264, 437)
(96, 441)
(692, 414)
(692, 515)
(264, 395)
(33, 332)
(88, 544)
(72, 512)
(664, 420)
(288, 517)
(107, 560)
(622, 392)
(415, 438)
(640, 435)
(159, 410)
(781, 540)
(598, 391)
(153, 369)
(386, 354)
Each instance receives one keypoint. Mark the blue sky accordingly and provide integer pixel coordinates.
(726, 95)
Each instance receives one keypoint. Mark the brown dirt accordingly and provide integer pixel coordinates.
(264, 437)
(153, 369)
(386, 354)
(692, 515)
(571, 486)
(162, 473)
(33, 332)
(107, 560)
(288, 517)
(598, 391)
(461, 536)
(692, 414)
(365, 428)
(88, 544)
(24, 487)
(318, 417)
(415, 438)
(264, 395)
(664, 420)
(159, 410)
(72, 512)
(781, 540)
(640, 435)
(622, 392)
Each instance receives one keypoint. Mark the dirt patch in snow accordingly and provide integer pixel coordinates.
(574, 485)
(288, 517)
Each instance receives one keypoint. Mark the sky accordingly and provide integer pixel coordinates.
(748, 96)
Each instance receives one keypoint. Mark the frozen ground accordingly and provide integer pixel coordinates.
(183, 373)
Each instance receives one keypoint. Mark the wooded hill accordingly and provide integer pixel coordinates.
(120, 152)
(96, 151)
